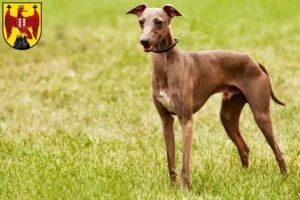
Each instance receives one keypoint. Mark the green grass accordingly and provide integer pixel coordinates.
(77, 119)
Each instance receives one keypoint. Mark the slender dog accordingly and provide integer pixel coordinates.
(183, 81)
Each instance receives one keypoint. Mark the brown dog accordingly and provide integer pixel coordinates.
(183, 81)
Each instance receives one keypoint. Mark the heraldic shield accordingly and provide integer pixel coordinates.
(22, 24)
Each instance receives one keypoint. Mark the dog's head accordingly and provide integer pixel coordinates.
(154, 23)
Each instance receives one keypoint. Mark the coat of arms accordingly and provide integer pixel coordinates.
(22, 24)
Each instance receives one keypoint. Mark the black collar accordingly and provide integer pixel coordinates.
(168, 49)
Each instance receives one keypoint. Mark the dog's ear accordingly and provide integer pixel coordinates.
(171, 11)
(138, 10)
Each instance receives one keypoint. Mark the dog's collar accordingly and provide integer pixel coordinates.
(168, 49)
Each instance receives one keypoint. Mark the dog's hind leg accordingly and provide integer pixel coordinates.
(230, 115)
(259, 100)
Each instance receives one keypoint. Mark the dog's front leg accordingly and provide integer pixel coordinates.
(187, 127)
(183, 106)
(168, 133)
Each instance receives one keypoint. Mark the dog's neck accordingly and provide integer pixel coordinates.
(161, 60)
(167, 41)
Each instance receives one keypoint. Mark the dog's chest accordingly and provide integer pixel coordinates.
(166, 101)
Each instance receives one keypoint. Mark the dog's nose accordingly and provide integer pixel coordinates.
(145, 43)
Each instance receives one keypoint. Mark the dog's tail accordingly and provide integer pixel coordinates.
(272, 93)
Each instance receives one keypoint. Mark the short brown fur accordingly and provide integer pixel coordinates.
(190, 78)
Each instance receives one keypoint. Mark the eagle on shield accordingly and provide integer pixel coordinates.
(22, 23)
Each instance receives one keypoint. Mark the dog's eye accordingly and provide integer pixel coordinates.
(158, 22)
(141, 22)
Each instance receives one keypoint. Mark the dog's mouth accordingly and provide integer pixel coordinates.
(148, 48)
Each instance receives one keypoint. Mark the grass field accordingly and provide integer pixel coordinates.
(77, 119)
